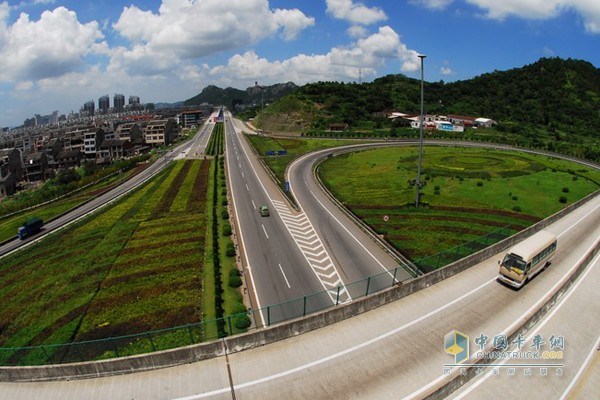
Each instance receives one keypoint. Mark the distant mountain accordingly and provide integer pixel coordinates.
(254, 95)
(160, 106)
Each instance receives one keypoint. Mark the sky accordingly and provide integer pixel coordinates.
(59, 54)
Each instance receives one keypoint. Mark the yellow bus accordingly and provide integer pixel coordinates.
(526, 259)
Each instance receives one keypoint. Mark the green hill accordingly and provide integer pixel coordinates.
(546, 104)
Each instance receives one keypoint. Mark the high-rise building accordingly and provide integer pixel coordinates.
(104, 104)
(89, 108)
(119, 103)
(134, 100)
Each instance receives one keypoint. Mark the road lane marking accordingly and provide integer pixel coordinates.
(241, 235)
(284, 277)
(578, 221)
(337, 295)
(530, 311)
(585, 364)
(265, 231)
(253, 204)
(314, 252)
(339, 353)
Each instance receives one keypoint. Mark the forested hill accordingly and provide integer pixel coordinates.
(552, 94)
(555, 93)
(254, 95)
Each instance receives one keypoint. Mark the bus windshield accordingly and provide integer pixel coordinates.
(514, 262)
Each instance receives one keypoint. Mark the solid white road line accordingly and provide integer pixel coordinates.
(284, 277)
(340, 353)
(585, 364)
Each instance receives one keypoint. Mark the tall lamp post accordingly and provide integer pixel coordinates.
(421, 123)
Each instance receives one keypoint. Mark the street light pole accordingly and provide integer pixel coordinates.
(421, 123)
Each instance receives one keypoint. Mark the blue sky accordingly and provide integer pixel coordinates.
(58, 54)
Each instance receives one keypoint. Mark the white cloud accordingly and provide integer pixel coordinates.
(357, 31)
(589, 10)
(531, 9)
(446, 71)
(340, 63)
(185, 30)
(432, 4)
(24, 86)
(355, 13)
(542, 9)
(52, 46)
(293, 22)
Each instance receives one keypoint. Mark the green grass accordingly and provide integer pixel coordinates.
(9, 225)
(294, 148)
(469, 192)
(208, 276)
(133, 267)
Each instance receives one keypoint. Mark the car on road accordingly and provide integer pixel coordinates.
(264, 211)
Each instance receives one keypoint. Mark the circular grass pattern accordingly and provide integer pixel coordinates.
(469, 164)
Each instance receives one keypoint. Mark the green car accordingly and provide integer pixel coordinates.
(264, 211)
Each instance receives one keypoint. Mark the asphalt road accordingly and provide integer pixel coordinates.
(275, 268)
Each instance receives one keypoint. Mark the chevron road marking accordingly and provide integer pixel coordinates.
(303, 233)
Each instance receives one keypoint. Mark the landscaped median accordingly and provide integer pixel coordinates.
(152, 271)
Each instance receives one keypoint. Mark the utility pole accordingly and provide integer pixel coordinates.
(421, 123)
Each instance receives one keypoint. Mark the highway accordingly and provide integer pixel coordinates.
(395, 351)
(355, 252)
(278, 251)
(392, 352)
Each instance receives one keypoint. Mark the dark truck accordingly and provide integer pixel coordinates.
(30, 227)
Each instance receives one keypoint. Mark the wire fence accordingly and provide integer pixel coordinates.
(190, 334)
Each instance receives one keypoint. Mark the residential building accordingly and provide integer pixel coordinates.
(119, 103)
(130, 131)
(11, 171)
(104, 104)
(161, 132)
(112, 149)
(51, 149)
(91, 142)
(89, 109)
(485, 122)
(36, 167)
(464, 120)
(191, 118)
(68, 158)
